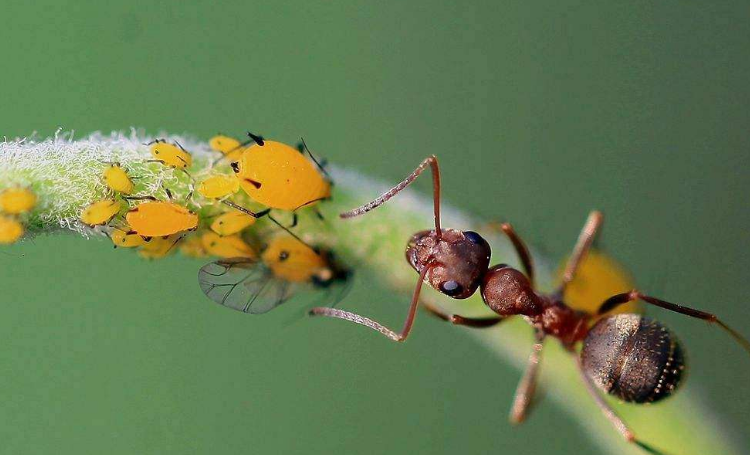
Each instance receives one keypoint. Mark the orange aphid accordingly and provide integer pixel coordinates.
(17, 200)
(279, 176)
(231, 223)
(100, 212)
(159, 218)
(226, 247)
(598, 278)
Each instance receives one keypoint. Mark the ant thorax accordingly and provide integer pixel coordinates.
(560, 321)
(457, 260)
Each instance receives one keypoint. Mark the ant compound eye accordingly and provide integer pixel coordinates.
(473, 237)
(451, 288)
(235, 167)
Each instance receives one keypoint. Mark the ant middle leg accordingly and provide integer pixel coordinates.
(620, 299)
(521, 249)
(583, 244)
(367, 322)
(477, 323)
(609, 413)
(526, 389)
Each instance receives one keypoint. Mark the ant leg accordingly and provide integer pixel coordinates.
(383, 198)
(585, 239)
(619, 299)
(527, 387)
(610, 414)
(521, 249)
(367, 322)
(477, 323)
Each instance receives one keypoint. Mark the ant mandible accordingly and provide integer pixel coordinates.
(632, 357)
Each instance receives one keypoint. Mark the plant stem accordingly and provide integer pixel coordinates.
(66, 176)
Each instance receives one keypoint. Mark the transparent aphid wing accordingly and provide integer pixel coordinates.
(243, 284)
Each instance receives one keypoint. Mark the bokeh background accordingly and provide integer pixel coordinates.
(539, 112)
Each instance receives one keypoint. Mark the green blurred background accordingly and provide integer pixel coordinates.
(539, 111)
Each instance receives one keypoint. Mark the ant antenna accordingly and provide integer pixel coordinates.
(429, 161)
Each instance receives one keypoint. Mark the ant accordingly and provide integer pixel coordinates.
(632, 357)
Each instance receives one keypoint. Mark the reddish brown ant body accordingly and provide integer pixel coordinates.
(630, 356)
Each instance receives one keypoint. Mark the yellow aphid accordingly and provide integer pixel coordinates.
(100, 212)
(228, 146)
(10, 230)
(193, 247)
(226, 247)
(291, 260)
(598, 278)
(158, 247)
(218, 186)
(279, 176)
(231, 223)
(126, 239)
(158, 218)
(117, 179)
(17, 200)
(172, 155)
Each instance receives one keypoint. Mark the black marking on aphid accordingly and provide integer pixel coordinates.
(254, 183)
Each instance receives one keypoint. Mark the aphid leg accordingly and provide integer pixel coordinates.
(521, 249)
(302, 147)
(527, 387)
(155, 141)
(295, 219)
(139, 198)
(263, 213)
(367, 322)
(380, 200)
(477, 323)
(180, 146)
(311, 202)
(317, 213)
(169, 193)
(619, 299)
(188, 174)
(585, 239)
(610, 414)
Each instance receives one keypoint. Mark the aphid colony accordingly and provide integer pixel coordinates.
(267, 174)
(15, 204)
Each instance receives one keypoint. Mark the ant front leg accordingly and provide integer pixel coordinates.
(585, 239)
(620, 299)
(367, 322)
(527, 387)
(477, 323)
(521, 249)
(610, 414)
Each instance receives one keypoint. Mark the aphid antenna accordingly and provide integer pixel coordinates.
(302, 147)
(256, 138)
(156, 141)
(383, 198)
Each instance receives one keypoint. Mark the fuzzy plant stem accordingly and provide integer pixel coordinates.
(66, 176)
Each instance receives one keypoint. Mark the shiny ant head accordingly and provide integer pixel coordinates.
(457, 260)
(508, 292)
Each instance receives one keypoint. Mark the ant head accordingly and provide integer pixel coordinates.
(457, 260)
(508, 292)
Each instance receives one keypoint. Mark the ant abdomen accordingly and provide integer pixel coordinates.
(633, 358)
